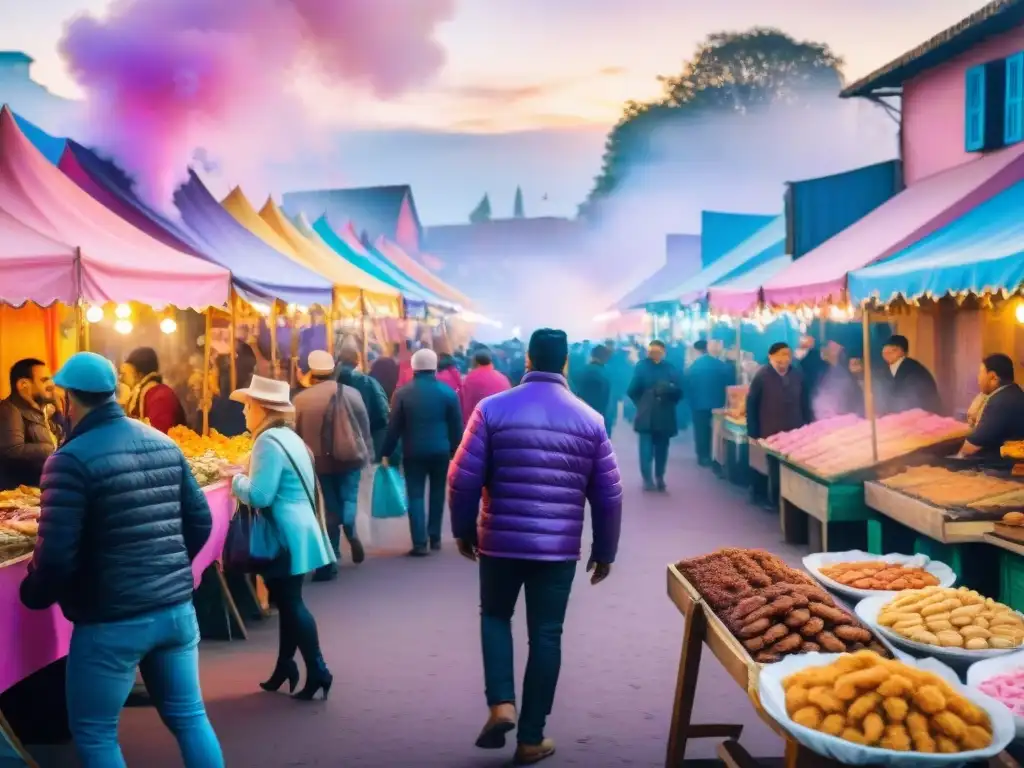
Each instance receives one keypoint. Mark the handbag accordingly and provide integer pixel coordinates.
(252, 544)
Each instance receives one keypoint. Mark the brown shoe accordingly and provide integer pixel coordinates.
(528, 754)
(501, 722)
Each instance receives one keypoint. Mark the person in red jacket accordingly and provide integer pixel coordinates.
(483, 381)
(149, 398)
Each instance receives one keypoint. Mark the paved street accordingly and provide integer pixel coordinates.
(401, 637)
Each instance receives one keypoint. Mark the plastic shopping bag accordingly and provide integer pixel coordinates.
(388, 495)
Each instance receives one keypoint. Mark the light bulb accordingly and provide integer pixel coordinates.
(124, 327)
(123, 312)
(94, 314)
(1019, 312)
(168, 325)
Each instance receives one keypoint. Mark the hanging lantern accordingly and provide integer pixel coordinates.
(94, 314)
(123, 327)
(123, 312)
(168, 325)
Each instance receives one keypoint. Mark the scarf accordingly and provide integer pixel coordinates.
(136, 406)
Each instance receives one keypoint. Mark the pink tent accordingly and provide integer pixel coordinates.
(40, 269)
(419, 273)
(113, 261)
(911, 215)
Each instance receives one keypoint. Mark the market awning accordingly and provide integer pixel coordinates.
(117, 262)
(682, 261)
(347, 245)
(260, 273)
(982, 251)
(913, 214)
(352, 283)
(34, 267)
(739, 294)
(403, 261)
(765, 244)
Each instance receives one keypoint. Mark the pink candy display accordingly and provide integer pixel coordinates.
(1007, 689)
(842, 444)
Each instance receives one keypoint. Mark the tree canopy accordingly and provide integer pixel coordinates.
(482, 212)
(518, 212)
(729, 73)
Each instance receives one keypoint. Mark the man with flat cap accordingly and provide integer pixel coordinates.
(122, 519)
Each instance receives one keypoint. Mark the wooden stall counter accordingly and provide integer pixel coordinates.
(827, 516)
(729, 446)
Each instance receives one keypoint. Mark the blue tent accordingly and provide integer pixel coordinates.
(51, 147)
(766, 244)
(721, 232)
(981, 251)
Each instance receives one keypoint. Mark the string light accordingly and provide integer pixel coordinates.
(123, 312)
(94, 314)
(168, 325)
(1019, 312)
(124, 327)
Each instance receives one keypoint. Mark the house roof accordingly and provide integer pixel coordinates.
(373, 211)
(995, 18)
(15, 57)
(503, 237)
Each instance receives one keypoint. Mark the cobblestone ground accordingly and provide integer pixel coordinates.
(401, 637)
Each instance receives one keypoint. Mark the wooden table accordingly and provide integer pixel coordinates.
(811, 508)
(703, 627)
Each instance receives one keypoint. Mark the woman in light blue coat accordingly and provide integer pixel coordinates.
(281, 483)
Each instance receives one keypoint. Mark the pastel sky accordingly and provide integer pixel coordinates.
(543, 64)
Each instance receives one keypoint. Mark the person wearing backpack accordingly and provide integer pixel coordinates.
(332, 420)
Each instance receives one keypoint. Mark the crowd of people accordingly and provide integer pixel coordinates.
(514, 439)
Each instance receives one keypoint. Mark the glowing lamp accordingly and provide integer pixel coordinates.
(123, 312)
(1019, 312)
(94, 314)
(124, 327)
(168, 325)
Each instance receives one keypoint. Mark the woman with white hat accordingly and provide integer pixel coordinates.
(281, 483)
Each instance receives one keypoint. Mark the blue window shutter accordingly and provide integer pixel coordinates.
(974, 109)
(1013, 120)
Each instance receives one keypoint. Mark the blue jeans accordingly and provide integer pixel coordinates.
(547, 587)
(653, 450)
(418, 472)
(341, 500)
(164, 646)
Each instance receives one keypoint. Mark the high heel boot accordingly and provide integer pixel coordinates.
(286, 670)
(318, 678)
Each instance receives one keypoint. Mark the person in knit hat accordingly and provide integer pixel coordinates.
(427, 418)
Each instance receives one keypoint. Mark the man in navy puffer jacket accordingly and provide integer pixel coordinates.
(122, 519)
(535, 455)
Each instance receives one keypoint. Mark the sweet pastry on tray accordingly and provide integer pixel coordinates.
(772, 609)
(879, 575)
(953, 618)
(878, 702)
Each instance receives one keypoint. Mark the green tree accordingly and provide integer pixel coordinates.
(517, 208)
(482, 212)
(730, 72)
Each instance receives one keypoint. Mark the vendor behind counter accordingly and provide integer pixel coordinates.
(1001, 417)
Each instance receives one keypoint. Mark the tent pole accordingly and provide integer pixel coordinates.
(739, 350)
(366, 345)
(207, 348)
(869, 394)
(273, 339)
(329, 314)
(293, 368)
(233, 333)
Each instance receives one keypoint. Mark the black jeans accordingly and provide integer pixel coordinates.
(547, 594)
(297, 625)
(702, 436)
(418, 472)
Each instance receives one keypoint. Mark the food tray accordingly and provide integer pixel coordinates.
(869, 608)
(941, 571)
(981, 671)
(773, 699)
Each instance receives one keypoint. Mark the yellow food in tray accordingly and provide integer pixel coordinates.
(876, 702)
(1014, 449)
(234, 450)
(953, 618)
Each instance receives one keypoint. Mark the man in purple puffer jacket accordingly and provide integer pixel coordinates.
(535, 455)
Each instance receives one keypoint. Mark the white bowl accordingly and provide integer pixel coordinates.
(868, 611)
(814, 563)
(773, 699)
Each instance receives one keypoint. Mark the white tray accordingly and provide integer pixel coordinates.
(773, 699)
(868, 609)
(814, 563)
(981, 671)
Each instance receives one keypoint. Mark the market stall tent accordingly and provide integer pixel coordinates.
(401, 260)
(116, 262)
(766, 244)
(347, 246)
(980, 252)
(732, 295)
(260, 273)
(433, 299)
(913, 214)
(353, 286)
(34, 267)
